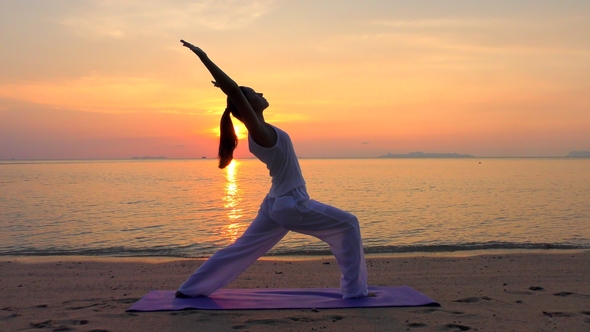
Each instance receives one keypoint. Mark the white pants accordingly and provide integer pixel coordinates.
(276, 217)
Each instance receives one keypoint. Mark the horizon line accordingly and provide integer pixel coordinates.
(299, 157)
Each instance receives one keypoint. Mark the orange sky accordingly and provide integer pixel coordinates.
(109, 79)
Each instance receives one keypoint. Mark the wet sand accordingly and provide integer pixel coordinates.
(547, 291)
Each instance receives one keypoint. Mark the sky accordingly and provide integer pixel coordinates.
(105, 79)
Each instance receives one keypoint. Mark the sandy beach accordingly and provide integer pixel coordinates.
(542, 291)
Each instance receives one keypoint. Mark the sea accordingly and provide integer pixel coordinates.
(191, 208)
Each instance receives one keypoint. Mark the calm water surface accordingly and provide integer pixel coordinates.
(191, 208)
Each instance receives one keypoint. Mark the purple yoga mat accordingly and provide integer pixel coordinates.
(283, 298)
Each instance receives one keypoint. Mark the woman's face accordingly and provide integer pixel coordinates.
(257, 101)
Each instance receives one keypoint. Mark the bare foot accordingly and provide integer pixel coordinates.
(371, 294)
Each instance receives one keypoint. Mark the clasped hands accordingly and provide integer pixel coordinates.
(195, 49)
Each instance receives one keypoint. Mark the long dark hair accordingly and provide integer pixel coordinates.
(228, 140)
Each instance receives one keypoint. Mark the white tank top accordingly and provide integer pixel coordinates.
(281, 162)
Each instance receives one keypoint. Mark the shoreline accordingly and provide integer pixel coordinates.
(547, 291)
(160, 259)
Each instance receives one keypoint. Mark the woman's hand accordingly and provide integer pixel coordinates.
(198, 51)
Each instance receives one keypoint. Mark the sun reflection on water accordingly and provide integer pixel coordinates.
(232, 199)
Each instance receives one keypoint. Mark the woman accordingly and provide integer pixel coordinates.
(287, 206)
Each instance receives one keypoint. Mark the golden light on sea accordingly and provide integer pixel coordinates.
(231, 201)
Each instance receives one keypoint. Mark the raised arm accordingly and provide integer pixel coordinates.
(262, 133)
(222, 80)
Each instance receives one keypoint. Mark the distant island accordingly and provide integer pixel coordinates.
(578, 154)
(149, 157)
(419, 154)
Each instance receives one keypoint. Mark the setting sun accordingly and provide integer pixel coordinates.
(239, 127)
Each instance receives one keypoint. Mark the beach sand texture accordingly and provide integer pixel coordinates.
(547, 291)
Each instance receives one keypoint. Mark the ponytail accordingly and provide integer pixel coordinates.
(228, 140)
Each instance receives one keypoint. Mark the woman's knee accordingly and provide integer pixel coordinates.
(353, 220)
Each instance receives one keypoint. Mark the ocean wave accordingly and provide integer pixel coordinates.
(187, 253)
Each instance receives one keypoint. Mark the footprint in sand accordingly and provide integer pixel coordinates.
(558, 314)
(127, 300)
(429, 311)
(11, 316)
(59, 325)
(413, 325)
(456, 327)
(566, 294)
(83, 306)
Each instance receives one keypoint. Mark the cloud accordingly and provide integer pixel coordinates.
(518, 35)
(125, 19)
(113, 94)
(440, 23)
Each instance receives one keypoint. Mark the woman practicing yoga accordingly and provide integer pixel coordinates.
(287, 206)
